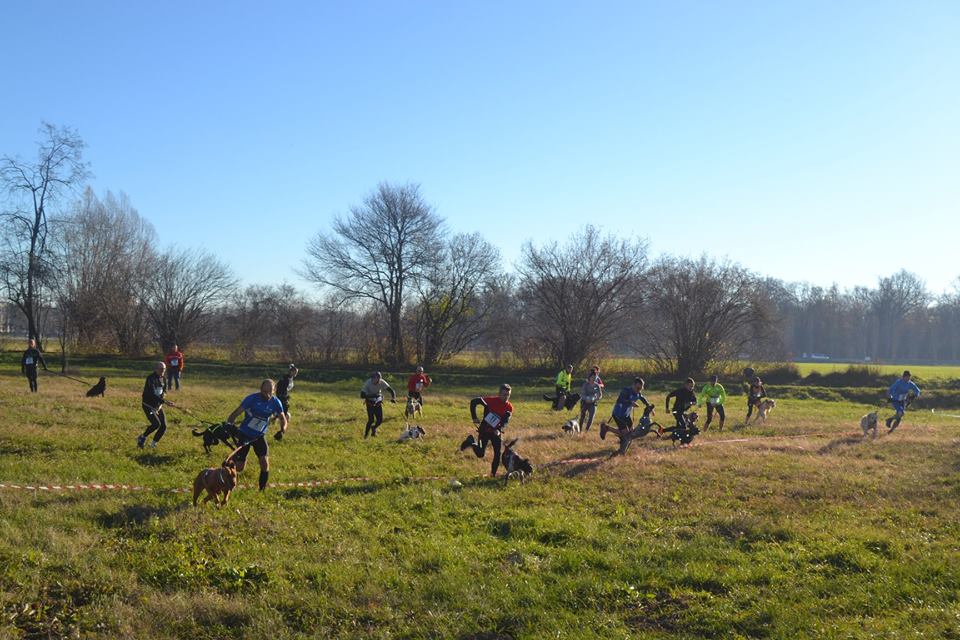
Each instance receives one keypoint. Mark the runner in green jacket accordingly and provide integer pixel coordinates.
(714, 394)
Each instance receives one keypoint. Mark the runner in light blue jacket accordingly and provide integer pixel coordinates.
(901, 393)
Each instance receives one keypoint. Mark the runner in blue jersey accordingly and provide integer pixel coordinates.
(258, 408)
(902, 392)
(629, 398)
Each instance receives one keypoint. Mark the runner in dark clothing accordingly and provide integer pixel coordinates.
(152, 402)
(28, 363)
(684, 398)
(284, 386)
(496, 414)
(755, 394)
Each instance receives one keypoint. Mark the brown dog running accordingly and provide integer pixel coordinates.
(216, 481)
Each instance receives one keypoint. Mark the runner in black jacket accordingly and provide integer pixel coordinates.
(152, 402)
(284, 386)
(28, 363)
(684, 398)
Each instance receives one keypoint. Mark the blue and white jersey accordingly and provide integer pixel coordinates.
(625, 401)
(258, 414)
(901, 388)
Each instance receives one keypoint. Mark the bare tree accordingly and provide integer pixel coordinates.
(700, 311)
(896, 297)
(34, 187)
(103, 257)
(454, 308)
(377, 251)
(577, 295)
(183, 292)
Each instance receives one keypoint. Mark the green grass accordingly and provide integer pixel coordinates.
(818, 536)
(922, 371)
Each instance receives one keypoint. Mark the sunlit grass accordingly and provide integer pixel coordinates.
(796, 527)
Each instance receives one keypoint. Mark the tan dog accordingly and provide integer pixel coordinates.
(869, 423)
(764, 408)
(216, 481)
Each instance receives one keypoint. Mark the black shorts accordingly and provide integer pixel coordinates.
(285, 403)
(624, 423)
(260, 448)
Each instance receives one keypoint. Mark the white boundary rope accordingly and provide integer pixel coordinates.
(103, 486)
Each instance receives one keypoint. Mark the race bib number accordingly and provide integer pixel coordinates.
(28, 361)
(174, 362)
(257, 424)
(419, 386)
(902, 397)
(589, 399)
(492, 420)
(158, 391)
(714, 401)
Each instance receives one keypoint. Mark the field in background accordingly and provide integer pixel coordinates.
(795, 528)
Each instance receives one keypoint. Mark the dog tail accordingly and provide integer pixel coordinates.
(198, 433)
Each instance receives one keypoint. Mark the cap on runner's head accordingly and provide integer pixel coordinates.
(689, 381)
(376, 374)
(419, 369)
(906, 374)
(292, 366)
(638, 380)
(505, 387)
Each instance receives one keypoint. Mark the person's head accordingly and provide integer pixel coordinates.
(689, 383)
(592, 376)
(756, 380)
(175, 348)
(159, 368)
(714, 379)
(569, 368)
(906, 375)
(505, 391)
(419, 369)
(267, 387)
(293, 371)
(638, 384)
(31, 343)
(376, 376)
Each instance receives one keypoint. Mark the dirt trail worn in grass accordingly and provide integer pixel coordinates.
(794, 528)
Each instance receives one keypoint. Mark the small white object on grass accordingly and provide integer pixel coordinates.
(455, 484)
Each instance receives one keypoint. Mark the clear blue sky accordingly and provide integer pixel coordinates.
(810, 140)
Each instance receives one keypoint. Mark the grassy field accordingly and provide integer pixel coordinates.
(928, 372)
(797, 528)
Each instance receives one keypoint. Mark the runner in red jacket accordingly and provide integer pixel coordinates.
(417, 383)
(174, 362)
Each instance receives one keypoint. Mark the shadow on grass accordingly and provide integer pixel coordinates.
(154, 459)
(138, 514)
(833, 445)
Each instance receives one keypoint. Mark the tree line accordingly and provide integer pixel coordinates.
(394, 284)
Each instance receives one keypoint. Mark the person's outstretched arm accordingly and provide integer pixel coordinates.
(476, 402)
